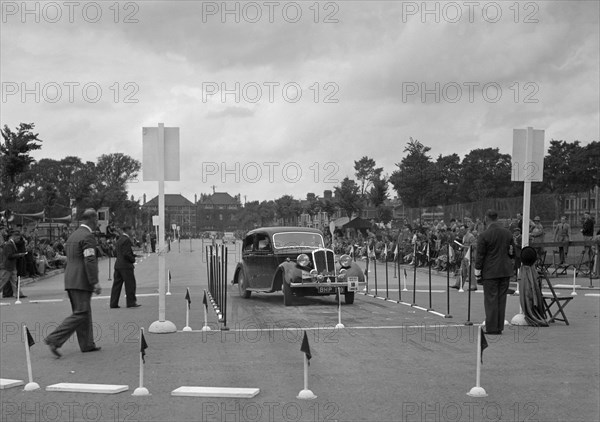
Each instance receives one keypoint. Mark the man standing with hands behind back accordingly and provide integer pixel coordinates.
(81, 279)
(495, 249)
(124, 270)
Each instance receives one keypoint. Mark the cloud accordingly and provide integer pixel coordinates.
(367, 81)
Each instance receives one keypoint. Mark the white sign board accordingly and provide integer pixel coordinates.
(527, 163)
(155, 220)
(353, 284)
(150, 154)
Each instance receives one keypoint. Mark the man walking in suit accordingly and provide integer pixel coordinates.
(124, 270)
(81, 279)
(495, 249)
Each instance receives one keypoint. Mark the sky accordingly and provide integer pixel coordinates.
(280, 98)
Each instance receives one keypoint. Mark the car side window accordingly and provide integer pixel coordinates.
(248, 243)
(263, 243)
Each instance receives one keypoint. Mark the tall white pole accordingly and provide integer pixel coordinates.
(162, 325)
(161, 222)
(519, 319)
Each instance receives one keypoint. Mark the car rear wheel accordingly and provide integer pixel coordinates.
(242, 286)
(287, 294)
(349, 298)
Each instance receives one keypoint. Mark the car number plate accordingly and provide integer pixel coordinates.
(325, 289)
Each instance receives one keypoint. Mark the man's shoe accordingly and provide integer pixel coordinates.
(493, 333)
(114, 307)
(94, 349)
(472, 288)
(137, 305)
(53, 350)
(455, 287)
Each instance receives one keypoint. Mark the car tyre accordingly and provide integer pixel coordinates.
(349, 298)
(241, 287)
(287, 294)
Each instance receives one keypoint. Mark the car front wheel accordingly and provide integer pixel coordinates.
(242, 286)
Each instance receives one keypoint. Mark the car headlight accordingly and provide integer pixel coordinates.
(313, 273)
(303, 260)
(345, 261)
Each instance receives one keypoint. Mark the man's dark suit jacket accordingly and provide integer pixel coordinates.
(81, 272)
(8, 258)
(125, 255)
(493, 248)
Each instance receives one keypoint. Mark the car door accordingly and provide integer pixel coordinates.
(264, 260)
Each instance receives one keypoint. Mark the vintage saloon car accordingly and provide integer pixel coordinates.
(295, 260)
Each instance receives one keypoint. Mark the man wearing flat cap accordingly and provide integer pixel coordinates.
(81, 280)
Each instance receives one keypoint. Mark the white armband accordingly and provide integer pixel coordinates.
(89, 252)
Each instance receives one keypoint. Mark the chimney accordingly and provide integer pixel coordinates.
(327, 194)
(144, 199)
(195, 198)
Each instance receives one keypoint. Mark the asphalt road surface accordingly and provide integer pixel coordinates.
(392, 362)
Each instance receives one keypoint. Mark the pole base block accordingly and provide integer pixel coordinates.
(186, 328)
(468, 323)
(448, 316)
(162, 327)
(477, 392)
(519, 319)
(18, 302)
(31, 386)
(306, 395)
(572, 294)
(141, 391)
(9, 383)
(206, 328)
(168, 294)
(339, 325)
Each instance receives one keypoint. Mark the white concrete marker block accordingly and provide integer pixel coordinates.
(87, 388)
(240, 393)
(8, 383)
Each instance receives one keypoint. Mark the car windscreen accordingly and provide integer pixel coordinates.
(297, 239)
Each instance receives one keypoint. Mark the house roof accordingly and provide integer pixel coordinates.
(171, 200)
(218, 198)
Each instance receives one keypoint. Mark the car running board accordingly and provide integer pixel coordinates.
(261, 290)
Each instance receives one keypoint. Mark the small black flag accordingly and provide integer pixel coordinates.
(305, 347)
(484, 343)
(204, 300)
(143, 347)
(188, 298)
(30, 341)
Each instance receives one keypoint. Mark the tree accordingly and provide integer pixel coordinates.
(111, 175)
(445, 180)
(366, 173)
(412, 180)
(485, 173)
(15, 158)
(379, 194)
(287, 208)
(348, 198)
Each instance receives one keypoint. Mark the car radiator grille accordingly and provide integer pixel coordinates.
(324, 260)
